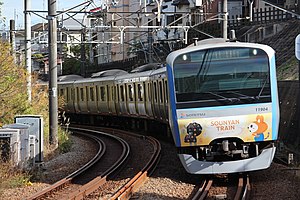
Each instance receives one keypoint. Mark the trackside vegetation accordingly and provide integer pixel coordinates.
(14, 101)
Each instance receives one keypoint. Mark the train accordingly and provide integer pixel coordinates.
(218, 98)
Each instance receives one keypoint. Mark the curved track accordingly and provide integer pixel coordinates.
(88, 178)
(74, 187)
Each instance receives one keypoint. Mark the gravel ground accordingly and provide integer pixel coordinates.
(169, 181)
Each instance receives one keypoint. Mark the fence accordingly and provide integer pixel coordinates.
(261, 16)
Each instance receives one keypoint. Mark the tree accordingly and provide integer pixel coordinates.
(13, 91)
(2, 19)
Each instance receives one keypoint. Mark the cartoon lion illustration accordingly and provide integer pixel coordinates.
(258, 127)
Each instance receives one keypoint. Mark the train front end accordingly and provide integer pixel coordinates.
(224, 111)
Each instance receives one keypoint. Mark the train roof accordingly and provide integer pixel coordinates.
(111, 72)
(215, 43)
(140, 75)
(146, 67)
(67, 78)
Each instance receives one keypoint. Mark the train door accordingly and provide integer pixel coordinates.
(107, 98)
(83, 99)
(131, 106)
(97, 98)
(77, 99)
(140, 99)
(145, 96)
(161, 100)
(123, 97)
(72, 100)
(80, 99)
(148, 99)
(155, 107)
(117, 101)
(103, 99)
(87, 99)
(111, 98)
(92, 97)
(166, 94)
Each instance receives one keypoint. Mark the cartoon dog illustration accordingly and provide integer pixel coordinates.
(258, 127)
(193, 130)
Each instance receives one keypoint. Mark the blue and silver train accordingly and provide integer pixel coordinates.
(218, 98)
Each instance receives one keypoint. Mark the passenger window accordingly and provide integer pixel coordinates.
(131, 92)
(122, 92)
(118, 93)
(72, 94)
(112, 93)
(61, 92)
(92, 94)
(81, 94)
(77, 93)
(102, 93)
(108, 92)
(140, 92)
(160, 92)
(155, 92)
(87, 93)
(149, 91)
(68, 97)
(97, 93)
(166, 91)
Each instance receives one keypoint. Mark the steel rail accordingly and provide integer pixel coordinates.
(63, 182)
(93, 185)
(134, 184)
(128, 189)
(243, 189)
(203, 190)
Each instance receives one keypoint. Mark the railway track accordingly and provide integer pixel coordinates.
(72, 187)
(242, 189)
(91, 175)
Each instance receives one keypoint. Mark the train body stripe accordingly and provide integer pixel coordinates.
(274, 97)
(173, 117)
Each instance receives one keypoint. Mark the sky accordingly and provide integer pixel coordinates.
(13, 9)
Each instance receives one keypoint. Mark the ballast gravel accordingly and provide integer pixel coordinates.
(169, 181)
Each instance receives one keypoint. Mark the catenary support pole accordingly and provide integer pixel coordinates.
(27, 5)
(225, 20)
(52, 48)
(12, 37)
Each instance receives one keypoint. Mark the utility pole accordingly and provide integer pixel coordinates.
(225, 20)
(52, 48)
(12, 38)
(27, 4)
(82, 54)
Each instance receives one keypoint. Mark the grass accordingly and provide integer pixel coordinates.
(11, 177)
(288, 70)
(64, 142)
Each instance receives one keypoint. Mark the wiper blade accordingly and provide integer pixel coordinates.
(224, 99)
(243, 96)
(262, 88)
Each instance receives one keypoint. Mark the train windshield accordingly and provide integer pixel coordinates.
(219, 76)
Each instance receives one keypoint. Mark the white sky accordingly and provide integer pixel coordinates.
(13, 9)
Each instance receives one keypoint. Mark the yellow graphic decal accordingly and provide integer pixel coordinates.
(249, 128)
